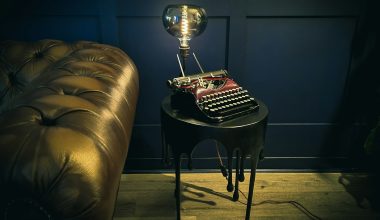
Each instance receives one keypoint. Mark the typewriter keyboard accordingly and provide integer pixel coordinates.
(227, 104)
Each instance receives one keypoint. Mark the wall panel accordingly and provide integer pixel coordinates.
(57, 26)
(68, 28)
(299, 66)
(49, 7)
(292, 54)
(303, 8)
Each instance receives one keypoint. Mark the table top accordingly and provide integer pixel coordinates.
(242, 121)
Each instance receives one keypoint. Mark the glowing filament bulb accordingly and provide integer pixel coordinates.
(184, 22)
(184, 27)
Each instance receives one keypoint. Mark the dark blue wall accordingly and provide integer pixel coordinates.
(295, 55)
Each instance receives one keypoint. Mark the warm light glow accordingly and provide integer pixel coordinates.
(184, 27)
(184, 22)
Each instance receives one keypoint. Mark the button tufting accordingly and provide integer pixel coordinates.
(12, 78)
(48, 122)
(38, 54)
(66, 92)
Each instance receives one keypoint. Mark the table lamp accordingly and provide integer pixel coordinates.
(184, 22)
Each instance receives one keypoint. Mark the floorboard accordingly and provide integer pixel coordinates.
(277, 196)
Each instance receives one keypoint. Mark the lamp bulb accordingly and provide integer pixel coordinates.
(184, 22)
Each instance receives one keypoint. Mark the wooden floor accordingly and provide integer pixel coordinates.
(204, 196)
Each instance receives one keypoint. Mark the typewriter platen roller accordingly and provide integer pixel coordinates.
(214, 94)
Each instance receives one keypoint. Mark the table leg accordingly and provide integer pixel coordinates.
(254, 160)
(241, 174)
(236, 192)
(177, 191)
(230, 186)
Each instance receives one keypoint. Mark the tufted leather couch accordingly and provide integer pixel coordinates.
(66, 114)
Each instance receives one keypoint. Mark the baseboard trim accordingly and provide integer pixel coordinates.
(160, 171)
(272, 164)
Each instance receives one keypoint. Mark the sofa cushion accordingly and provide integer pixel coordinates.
(67, 112)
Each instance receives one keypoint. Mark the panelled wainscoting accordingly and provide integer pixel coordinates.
(294, 55)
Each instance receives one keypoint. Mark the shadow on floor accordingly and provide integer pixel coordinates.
(187, 186)
(363, 188)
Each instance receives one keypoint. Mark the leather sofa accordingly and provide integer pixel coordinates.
(66, 115)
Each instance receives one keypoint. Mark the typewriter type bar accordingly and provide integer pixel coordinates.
(186, 80)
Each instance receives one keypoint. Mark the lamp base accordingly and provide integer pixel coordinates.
(184, 52)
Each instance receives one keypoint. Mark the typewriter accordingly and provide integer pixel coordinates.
(213, 96)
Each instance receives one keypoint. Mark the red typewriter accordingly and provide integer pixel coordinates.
(211, 95)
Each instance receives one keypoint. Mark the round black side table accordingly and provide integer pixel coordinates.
(244, 135)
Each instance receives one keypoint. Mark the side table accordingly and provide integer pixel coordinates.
(244, 135)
